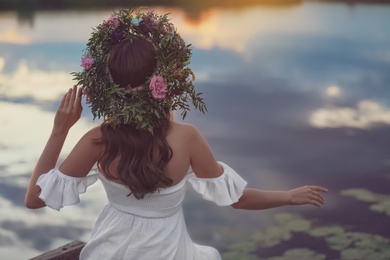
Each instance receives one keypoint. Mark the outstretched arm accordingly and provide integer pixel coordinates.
(255, 199)
(205, 166)
(67, 115)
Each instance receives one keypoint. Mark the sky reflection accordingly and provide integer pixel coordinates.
(295, 95)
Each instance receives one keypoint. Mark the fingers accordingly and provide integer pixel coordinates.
(318, 188)
(309, 194)
(72, 98)
(315, 196)
(78, 98)
(63, 100)
(71, 101)
(66, 99)
(80, 92)
(69, 111)
(317, 200)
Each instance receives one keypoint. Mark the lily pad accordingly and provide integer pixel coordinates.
(271, 236)
(381, 201)
(244, 247)
(360, 194)
(281, 230)
(382, 206)
(326, 231)
(298, 225)
(299, 253)
(339, 241)
(283, 218)
(357, 253)
(350, 245)
(232, 255)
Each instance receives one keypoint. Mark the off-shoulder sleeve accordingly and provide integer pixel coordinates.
(59, 190)
(223, 190)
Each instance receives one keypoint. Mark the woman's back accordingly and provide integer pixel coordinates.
(183, 139)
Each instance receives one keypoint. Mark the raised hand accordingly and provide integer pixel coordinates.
(308, 194)
(69, 111)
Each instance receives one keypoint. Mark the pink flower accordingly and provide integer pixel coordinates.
(87, 62)
(112, 21)
(158, 87)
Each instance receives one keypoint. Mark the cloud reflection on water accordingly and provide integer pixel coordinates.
(40, 85)
(263, 72)
(26, 129)
(366, 115)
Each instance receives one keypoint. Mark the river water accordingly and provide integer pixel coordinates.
(297, 94)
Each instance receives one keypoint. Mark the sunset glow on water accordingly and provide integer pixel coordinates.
(297, 94)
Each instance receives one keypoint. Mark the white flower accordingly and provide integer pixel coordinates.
(136, 21)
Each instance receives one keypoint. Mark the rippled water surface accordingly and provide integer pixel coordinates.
(297, 94)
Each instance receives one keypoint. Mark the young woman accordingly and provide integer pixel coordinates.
(143, 156)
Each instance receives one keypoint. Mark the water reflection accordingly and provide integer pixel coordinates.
(366, 115)
(295, 95)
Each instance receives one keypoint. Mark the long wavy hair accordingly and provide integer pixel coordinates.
(142, 155)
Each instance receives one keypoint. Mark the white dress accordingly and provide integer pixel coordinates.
(148, 229)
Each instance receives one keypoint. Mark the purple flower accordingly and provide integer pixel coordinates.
(148, 22)
(176, 91)
(145, 29)
(113, 22)
(87, 62)
(117, 36)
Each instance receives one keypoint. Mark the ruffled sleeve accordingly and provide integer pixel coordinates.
(223, 190)
(59, 190)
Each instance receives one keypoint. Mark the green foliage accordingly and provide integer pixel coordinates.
(339, 241)
(241, 251)
(350, 245)
(366, 246)
(284, 225)
(326, 231)
(381, 201)
(244, 247)
(136, 105)
(299, 253)
(238, 255)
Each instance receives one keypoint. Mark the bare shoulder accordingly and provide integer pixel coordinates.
(93, 134)
(186, 131)
(84, 155)
(200, 154)
(92, 140)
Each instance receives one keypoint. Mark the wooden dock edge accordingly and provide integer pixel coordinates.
(70, 251)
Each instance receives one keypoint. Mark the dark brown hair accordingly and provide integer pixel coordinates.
(142, 155)
(131, 62)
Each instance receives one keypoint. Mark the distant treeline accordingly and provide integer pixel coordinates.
(189, 5)
(98, 4)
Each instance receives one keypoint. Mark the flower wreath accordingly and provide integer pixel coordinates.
(169, 88)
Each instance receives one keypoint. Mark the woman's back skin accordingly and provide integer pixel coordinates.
(187, 144)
